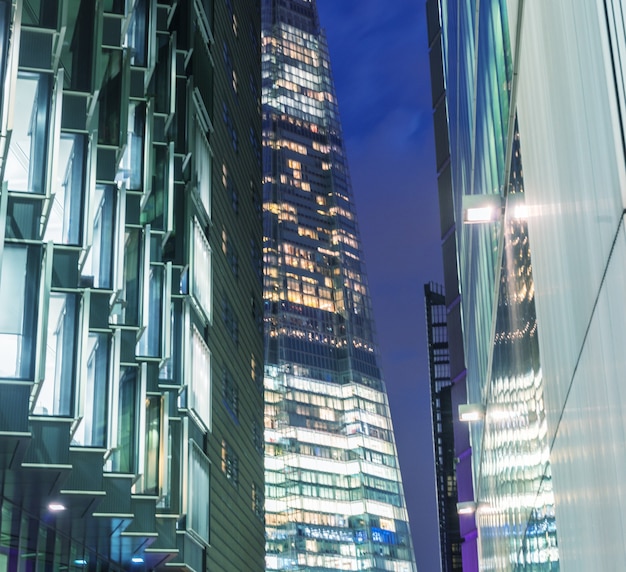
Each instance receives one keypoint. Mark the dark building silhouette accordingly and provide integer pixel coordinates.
(443, 428)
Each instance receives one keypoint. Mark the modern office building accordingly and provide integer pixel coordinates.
(333, 498)
(130, 292)
(507, 516)
(443, 428)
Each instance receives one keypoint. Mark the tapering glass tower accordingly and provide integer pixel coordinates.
(334, 497)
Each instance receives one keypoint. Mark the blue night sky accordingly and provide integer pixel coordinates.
(379, 55)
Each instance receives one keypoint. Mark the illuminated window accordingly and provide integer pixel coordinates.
(230, 463)
(201, 270)
(203, 168)
(200, 379)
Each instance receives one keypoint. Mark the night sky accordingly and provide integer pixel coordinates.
(379, 56)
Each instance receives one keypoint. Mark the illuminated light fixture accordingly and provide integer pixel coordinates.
(471, 412)
(479, 209)
(56, 507)
(80, 562)
(466, 507)
(137, 560)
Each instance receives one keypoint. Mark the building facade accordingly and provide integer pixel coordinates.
(130, 227)
(508, 515)
(334, 498)
(441, 387)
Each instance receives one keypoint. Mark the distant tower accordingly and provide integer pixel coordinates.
(443, 428)
(334, 496)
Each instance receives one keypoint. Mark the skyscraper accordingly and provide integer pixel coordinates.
(334, 497)
(130, 291)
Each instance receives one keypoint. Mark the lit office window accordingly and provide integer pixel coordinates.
(200, 379)
(26, 161)
(57, 389)
(18, 300)
(65, 220)
(203, 169)
(198, 499)
(99, 261)
(201, 272)
(92, 429)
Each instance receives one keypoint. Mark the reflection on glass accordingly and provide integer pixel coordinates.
(153, 444)
(171, 366)
(150, 341)
(92, 429)
(64, 223)
(132, 161)
(26, 161)
(137, 36)
(132, 270)
(55, 394)
(125, 455)
(99, 263)
(19, 310)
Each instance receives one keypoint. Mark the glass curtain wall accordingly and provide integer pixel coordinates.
(513, 498)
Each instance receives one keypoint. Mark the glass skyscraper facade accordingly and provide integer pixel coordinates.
(130, 286)
(333, 496)
(508, 513)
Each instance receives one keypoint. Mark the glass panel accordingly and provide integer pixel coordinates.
(150, 341)
(40, 13)
(55, 395)
(18, 300)
(111, 101)
(198, 499)
(201, 274)
(137, 38)
(5, 33)
(203, 169)
(154, 212)
(77, 54)
(131, 273)
(124, 458)
(200, 379)
(132, 161)
(153, 445)
(93, 427)
(99, 261)
(65, 221)
(26, 160)
(162, 75)
(171, 368)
